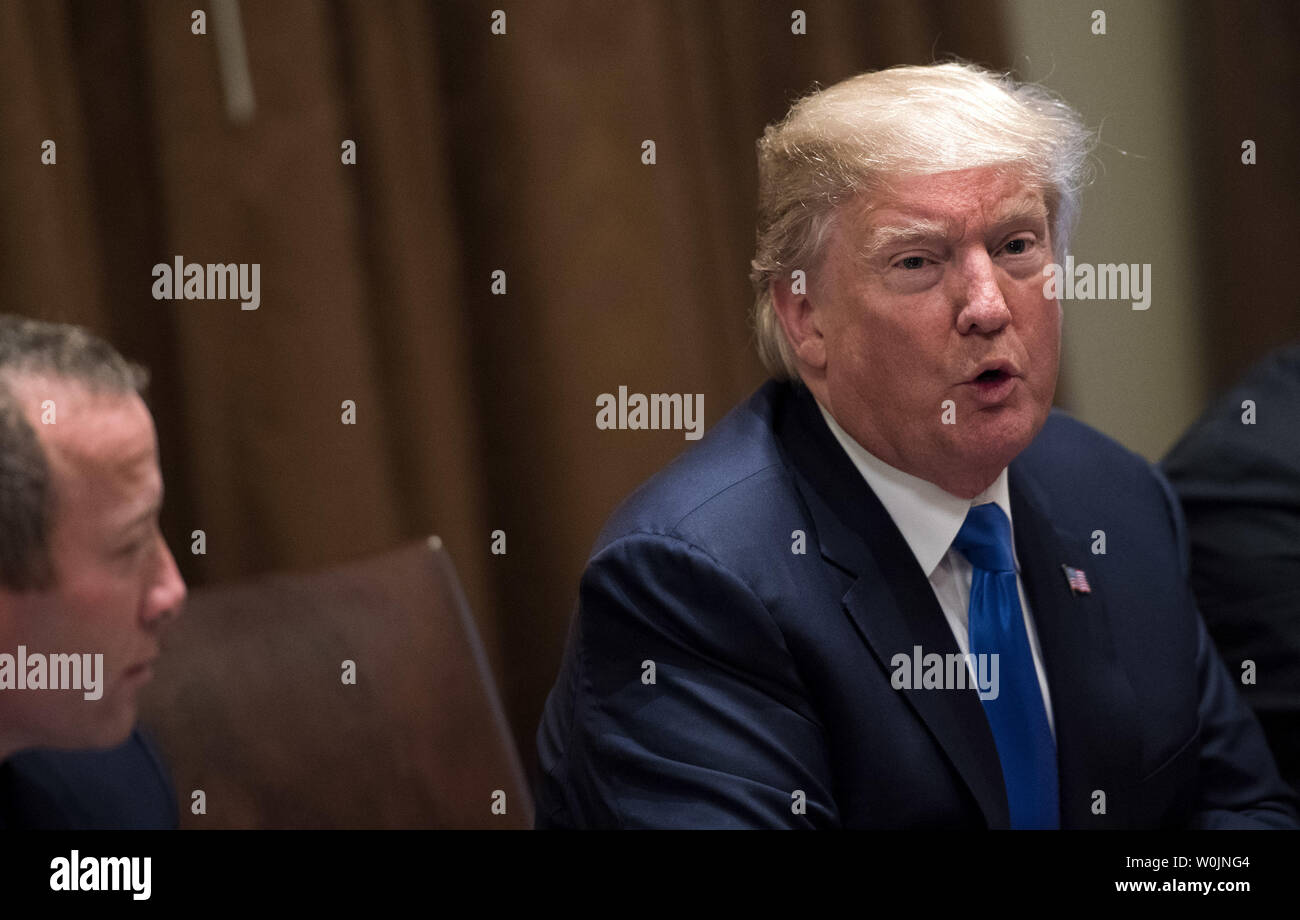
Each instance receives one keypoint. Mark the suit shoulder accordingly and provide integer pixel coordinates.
(126, 787)
(1069, 446)
(1086, 471)
(735, 478)
(1243, 447)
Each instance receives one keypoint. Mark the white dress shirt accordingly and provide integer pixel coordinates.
(929, 519)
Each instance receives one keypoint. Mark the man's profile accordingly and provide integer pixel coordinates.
(87, 585)
(774, 631)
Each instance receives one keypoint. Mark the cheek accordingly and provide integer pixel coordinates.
(1042, 341)
(1049, 332)
(867, 360)
(1037, 318)
(105, 598)
(884, 342)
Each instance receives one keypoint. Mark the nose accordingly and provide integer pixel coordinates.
(981, 306)
(167, 594)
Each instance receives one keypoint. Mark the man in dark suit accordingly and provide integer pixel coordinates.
(1237, 473)
(894, 589)
(87, 585)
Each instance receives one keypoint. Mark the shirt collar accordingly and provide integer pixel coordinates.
(927, 516)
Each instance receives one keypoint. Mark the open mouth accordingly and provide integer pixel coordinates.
(995, 385)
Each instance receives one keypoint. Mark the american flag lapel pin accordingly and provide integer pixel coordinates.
(1077, 580)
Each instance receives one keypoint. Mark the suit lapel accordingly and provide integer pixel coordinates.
(889, 598)
(1097, 748)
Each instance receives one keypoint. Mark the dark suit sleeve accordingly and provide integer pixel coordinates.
(1238, 783)
(123, 788)
(1239, 486)
(723, 737)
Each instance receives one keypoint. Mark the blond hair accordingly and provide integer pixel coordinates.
(844, 140)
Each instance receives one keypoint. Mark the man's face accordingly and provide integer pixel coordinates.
(116, 583)
(939, 279)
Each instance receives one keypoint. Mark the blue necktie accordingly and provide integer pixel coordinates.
(1016, 716)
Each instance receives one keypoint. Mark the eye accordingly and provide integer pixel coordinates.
(131, 548)
(1018, 246)
(138, 543)
(912, 263)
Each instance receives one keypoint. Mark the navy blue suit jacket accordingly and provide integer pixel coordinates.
(126, 787)
(772, 668)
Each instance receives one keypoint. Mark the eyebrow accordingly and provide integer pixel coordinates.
(913, 232)
(917, 231)
(155, 508)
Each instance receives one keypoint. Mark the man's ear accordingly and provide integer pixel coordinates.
(803, 318)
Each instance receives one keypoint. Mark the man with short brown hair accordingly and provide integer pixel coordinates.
(87, 585)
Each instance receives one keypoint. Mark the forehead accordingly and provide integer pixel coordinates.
(101, 448)
(958, 202)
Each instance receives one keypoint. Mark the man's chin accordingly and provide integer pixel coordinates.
(995, 439)
(1007, 429)
(102, 734)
